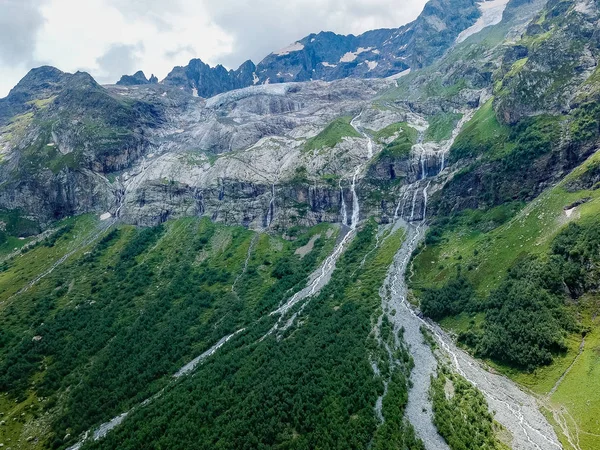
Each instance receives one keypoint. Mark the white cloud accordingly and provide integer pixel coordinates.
(118, 59)
(20, 21)
(109, 38)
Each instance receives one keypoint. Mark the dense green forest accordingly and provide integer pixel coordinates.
(461, 413)
(109, 327)
(528, 315)
(107, 330)
(313, 388)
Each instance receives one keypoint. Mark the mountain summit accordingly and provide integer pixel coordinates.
(137, 78)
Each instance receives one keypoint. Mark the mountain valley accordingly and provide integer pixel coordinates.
(385, 241)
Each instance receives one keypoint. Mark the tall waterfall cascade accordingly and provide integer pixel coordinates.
(428, 161)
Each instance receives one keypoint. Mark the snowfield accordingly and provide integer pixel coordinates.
(491, 14)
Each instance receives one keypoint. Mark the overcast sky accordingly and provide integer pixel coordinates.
(109, 38)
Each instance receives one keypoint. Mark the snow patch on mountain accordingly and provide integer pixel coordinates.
(279, 89)
(372, 65)
(295, 47)
(491, 14)
(351, 56)
(398, 75)
(586, 7)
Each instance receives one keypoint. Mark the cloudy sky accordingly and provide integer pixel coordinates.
(109, 38)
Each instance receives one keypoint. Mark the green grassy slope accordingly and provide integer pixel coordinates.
(332, 135)
(441, 126)
(483, 245)
(397, 139)
(490, 247)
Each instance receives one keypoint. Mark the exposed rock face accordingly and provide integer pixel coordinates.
(558, 52)
(262, 156)
(589, 180)
(549, 74)
(49, 196)
(136, 79)
(471, 189)
(205, 81)
(329, 56)
(257, 136)
(438, 27)
(241, 157)
(65, 134)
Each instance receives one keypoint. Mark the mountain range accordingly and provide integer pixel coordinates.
(329, 56)
(384, 241)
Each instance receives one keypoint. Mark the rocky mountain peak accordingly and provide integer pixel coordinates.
(39, 86)
(205, 81)
(38, 82)
(138, 78)
(82, 79)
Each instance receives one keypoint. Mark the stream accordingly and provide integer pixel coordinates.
(514, 409)
(418, 409)
(517, 411)
(322, 276)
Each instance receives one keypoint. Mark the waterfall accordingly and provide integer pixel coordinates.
(271, 207)
(344, 211)
(354, 219)
(120, 193)
(446, 145)
(425, 200)
(199, 198)
(355, 205)
(423, 169)
(365, 135)
(414, 201)
(402, 202)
